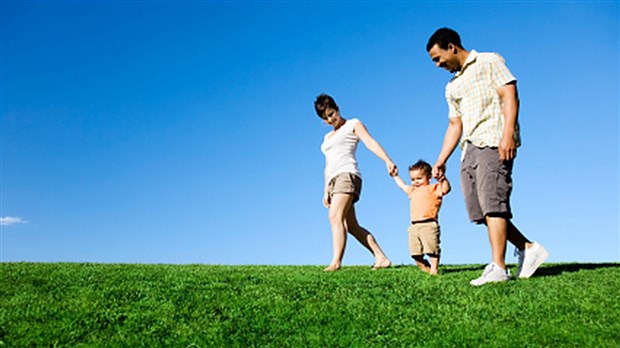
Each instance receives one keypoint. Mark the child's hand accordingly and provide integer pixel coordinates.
(395, 172)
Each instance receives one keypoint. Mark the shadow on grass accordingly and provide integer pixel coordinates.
(458, 269)
(556, 269)
(544, 270)
(443, 268)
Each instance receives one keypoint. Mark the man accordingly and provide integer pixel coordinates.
(483, 120)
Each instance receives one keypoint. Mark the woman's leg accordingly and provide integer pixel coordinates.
(366, 239)
(340, 205)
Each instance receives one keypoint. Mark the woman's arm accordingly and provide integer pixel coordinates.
(375, 147)
(326, 197)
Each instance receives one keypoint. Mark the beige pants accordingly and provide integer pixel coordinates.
(424, 238)
(346, 183)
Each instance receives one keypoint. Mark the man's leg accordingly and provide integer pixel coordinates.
(497, 228)
(516, 238)
(531, 255)
(496, 271)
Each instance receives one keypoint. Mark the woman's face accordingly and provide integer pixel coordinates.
(332, 117)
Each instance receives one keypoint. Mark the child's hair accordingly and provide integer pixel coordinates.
(423, 166)
(323, 102)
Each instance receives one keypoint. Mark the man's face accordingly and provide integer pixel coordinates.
(446, 59)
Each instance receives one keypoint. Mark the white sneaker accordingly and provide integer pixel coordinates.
(530, 259)
(492, 273)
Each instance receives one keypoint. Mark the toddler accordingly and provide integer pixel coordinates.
(425, 203)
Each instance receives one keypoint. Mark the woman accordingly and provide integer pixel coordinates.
(343, 181)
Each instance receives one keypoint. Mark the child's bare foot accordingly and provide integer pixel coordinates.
(331, 268)
(422, 264)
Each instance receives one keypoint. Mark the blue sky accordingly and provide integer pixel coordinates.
(184, 132)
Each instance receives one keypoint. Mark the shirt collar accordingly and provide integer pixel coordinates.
(470, 59)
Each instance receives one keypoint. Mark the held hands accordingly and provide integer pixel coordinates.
(439, 171)
(391, 168)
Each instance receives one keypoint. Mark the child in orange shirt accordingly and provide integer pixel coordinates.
(425, 203)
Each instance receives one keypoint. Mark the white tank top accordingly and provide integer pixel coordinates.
(339, 149)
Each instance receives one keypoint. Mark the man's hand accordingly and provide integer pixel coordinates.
(507, 149)
(439, 170)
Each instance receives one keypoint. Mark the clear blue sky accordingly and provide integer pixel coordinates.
(167, 132)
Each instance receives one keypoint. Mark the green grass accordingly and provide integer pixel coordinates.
(106, 305)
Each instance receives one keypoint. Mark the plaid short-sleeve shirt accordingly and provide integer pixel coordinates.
(472, 96)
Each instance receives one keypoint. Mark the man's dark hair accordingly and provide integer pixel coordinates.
(323, 102)
(423, 166)
(442, 37)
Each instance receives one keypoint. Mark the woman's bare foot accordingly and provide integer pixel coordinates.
(384, 263)
(331, 268)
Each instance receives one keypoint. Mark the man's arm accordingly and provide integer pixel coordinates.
(451, 140)
(510, 98)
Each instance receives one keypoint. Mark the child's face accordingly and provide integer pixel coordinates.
(419, 178)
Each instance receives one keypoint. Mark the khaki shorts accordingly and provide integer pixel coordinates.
(486, 182)
(424, 238)
(346, 183)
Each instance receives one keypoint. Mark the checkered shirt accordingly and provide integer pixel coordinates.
(472, 96)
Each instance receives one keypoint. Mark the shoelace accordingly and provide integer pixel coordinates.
(488, 269)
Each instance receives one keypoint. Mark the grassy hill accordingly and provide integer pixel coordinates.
(110, 305)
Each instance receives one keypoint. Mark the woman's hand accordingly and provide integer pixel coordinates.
(327, 200)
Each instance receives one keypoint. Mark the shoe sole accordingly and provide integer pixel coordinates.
(539, 261)
(489, 282)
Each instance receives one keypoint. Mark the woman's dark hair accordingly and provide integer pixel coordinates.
(323, 102)
(442, 37)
